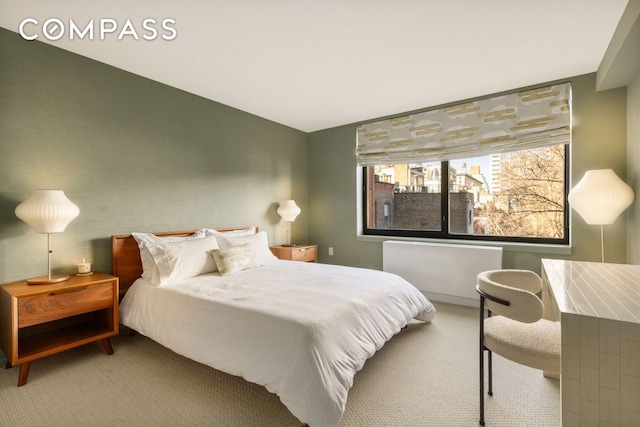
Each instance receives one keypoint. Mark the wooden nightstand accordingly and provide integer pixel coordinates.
(41, 320)
(307, 253)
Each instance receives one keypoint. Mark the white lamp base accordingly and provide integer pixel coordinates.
(45, 280)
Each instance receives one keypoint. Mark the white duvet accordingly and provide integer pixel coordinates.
(302, 330)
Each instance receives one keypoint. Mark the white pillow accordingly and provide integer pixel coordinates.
(242, 232)
(144, 239)
(257, 242)
(181, 260)
(233, 259)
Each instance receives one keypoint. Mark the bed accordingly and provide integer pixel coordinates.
(302, 330)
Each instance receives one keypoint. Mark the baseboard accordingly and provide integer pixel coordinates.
(451, 299)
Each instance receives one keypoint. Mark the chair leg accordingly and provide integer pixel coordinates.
(490, 363)
(481, 421)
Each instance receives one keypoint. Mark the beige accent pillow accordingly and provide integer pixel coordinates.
(233, 259)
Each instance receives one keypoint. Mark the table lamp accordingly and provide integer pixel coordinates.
(47, 211)
(288, 211)
(600, 197)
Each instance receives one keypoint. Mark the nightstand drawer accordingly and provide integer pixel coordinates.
(304, 254)
(56, 304)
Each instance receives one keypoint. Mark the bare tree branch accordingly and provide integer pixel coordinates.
(531, 200)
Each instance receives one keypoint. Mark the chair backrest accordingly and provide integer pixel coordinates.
(519, 287)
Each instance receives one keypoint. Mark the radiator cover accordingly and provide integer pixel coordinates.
(443, 272)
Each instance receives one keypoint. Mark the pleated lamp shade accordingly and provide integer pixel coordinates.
(47, 211)
(288, 210)
(600, 197)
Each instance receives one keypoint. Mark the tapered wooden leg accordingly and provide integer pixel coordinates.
(24, 373)
(106, 343)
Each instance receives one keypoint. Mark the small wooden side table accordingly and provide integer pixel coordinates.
(41, 320)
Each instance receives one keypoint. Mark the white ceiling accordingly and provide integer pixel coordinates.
(316, 64)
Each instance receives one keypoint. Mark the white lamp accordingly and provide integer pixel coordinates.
(288, 211)
(47, 211)
(600, 197)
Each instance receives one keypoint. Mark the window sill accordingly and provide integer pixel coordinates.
(506, 246)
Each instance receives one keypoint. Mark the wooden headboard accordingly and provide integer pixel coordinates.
(125, 255)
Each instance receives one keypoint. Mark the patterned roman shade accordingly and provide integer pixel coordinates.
(516, 121)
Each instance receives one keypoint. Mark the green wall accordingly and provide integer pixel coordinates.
(134, 155)
(633, 168)
(599, 141)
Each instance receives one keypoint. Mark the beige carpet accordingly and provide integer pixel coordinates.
(425, 376)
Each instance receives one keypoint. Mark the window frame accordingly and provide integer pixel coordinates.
(444, 233)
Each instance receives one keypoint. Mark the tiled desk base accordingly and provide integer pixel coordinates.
(600, 372)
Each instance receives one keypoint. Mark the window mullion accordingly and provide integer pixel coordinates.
(444, 198)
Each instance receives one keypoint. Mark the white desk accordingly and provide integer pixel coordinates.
(598, 305)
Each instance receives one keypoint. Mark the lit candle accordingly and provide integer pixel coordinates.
(84, 267)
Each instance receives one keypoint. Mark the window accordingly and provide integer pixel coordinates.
(494, 168)
(516, 196)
